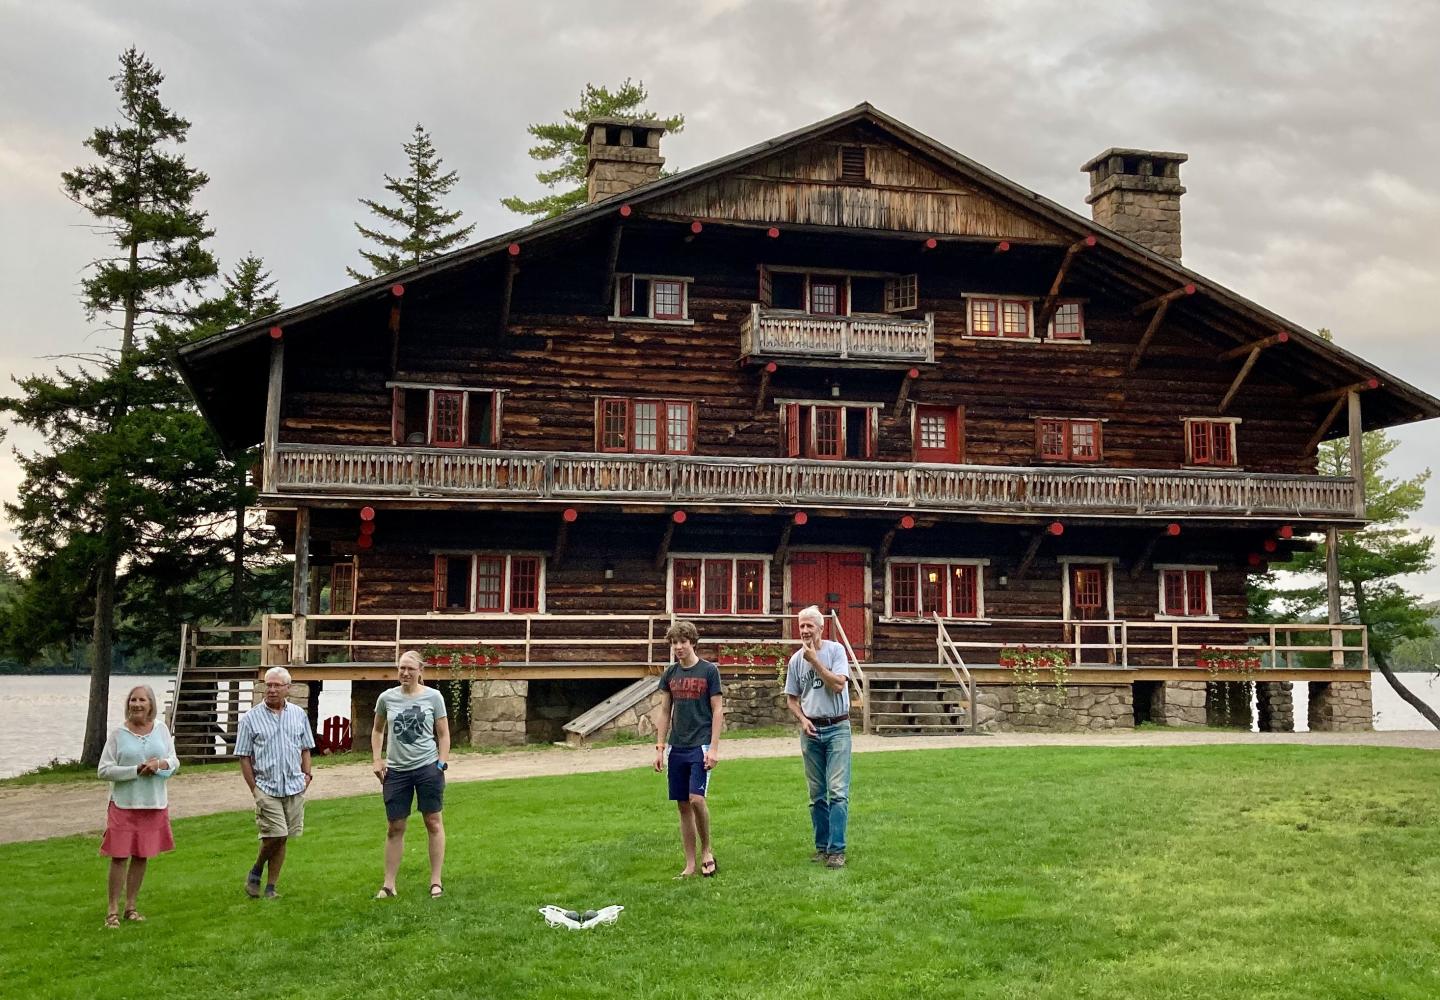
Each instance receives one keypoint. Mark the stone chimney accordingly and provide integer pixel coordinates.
(620, 154)
(1136, 193)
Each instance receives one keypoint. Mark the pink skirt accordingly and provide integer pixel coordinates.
(136, 833)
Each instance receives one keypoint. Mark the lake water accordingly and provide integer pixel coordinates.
(46, 715)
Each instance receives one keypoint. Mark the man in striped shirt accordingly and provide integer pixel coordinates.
(273, 744)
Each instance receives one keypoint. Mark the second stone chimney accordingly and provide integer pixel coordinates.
(620, 154)
(1136, 193)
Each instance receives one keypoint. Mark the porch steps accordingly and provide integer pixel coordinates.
(203, 717)
(579, 729)
(909, 706)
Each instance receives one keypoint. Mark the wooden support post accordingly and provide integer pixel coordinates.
(765, 374)
(1330, 417)
(1148, 336)
(562, 536)
(782, 547)
(396, 292)
(270, 468)
(886, 541)
(607, 294)
(300, 585)
(1340, 392)
(1029, 556)
(1357, 452)
(1255, 345)
(1165, 299)
(1138, 567)
(676, 518)
(910, 376)
(1332, 592)
(1052, 297)
(1239, 379)
(511, 269)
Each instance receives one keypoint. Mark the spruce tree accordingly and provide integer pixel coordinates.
(421, 225)
(125, 476)
(562, 145)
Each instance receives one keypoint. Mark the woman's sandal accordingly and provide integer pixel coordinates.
(135, 915)
(112, 921)
(385, 893)
(436, 890)
(709, 868)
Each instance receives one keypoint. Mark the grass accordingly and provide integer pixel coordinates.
(1216, 872)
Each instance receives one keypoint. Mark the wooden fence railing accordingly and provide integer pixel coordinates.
(775, 331)
(409, 471)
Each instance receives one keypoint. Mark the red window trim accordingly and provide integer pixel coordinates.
(998, 302)
(1210, 432)
(655, 312)
(502, 595)
(662, 425)
(433, 439)
(710, 604)
(1067, 426)
(1075, 589)
(699, 566)
(1054, 331)
(757, 566)
(508, 562)
(343, 579)
(1185, 593)
(692, 567)
(493, 400)
(945, 572)
(624, 306)
(802, 437)
(958, 446)
(515, 562)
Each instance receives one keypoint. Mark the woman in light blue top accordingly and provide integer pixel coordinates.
(138, 757)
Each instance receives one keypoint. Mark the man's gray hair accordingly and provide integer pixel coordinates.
(813, 613)
(279, 674)
(413, 658)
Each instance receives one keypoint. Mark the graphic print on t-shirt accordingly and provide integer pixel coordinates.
(689, 688)
(410, 725)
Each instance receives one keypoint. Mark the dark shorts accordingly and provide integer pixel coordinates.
(424, 785)
(687, 773)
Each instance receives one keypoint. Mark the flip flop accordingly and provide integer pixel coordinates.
(436, 890)
(135, 915)
(709, 868)
(112, 921)
(385, 893)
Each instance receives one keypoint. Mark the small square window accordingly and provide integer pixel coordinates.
(1068, 323)
(1015, 319)
(984, 317)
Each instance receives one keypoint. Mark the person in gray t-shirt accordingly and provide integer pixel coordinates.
(817, 694)
(691, 714)
(413, 770)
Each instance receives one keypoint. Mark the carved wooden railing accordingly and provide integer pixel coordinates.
(408, 471)
(774, 331)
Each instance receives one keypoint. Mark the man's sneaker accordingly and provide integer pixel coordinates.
(819, 857)
(252, 885)
(835, 861)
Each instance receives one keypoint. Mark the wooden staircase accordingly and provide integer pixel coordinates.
(213, 686)
(922, 701)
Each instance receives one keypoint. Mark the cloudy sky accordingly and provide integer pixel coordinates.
(1312, 128)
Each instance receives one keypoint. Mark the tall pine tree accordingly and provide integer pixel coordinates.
(421, 226)
(562, 145)
(124, 474)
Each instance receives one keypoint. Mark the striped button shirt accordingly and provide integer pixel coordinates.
(273, 744)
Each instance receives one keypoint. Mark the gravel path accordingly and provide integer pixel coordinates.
(37, 812)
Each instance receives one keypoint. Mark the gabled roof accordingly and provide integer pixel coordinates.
(1153, 273)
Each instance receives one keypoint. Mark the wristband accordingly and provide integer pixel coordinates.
(440, 765)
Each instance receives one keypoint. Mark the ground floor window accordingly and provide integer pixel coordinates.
(719, 585)
(951, 588)
(503, 583)
(1185, 591)
(342, 588)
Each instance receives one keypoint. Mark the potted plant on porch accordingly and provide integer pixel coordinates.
(756, 654)
(1237, 662)
(1027, 665)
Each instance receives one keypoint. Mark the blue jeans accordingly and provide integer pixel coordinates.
(827, 772)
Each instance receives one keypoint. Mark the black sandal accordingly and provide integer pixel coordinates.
(436, 890)
(709, 868)
(385, 893)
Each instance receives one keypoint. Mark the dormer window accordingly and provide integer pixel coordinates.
(998, 316)
(835, 293)
(651, 298)
(1068, 323)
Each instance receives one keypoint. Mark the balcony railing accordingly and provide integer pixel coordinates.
(861, 338)
(527, 475)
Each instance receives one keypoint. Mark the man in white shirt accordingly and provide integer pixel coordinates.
(818, 695)
(274, 743)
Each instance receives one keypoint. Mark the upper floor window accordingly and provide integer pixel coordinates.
(645, 426)
(1061, 439)
(719, 585)
(1068, 323)
(835, 293)
(489, 582)
(951, 588)
(995, 316)
(1210, 442)
(813, 430)
(1185, 591)
(657, 297)
(939, 433)
(445, 416)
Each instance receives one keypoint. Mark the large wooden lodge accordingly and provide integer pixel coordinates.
(848, 367)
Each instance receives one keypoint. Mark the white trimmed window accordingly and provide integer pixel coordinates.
(1210, 441)
(492, 582)
(923, 588)
(830, 432)
(1063, 439)
(718, 585)
(645, 426)
(1068, 323)
(1001, 317)
(660, 298)
(445, 416)
(1185, 592)
(823, 292)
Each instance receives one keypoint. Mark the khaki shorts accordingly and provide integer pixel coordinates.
(279, 817)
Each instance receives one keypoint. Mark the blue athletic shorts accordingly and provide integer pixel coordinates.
(687, 772)
(424, 786)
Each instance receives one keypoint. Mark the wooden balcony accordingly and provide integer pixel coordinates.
(398, 471)
(783, 333)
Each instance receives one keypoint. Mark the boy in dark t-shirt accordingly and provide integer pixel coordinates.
(692, 714)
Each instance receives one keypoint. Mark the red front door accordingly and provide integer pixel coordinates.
(832, 581)
(937, 434)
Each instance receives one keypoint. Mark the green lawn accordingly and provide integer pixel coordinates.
(1053, 873)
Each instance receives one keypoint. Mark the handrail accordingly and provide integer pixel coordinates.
(948, 655)
(179, 677)
(857, 674)
(410, 471)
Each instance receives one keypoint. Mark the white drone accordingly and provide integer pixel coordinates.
(577, 920)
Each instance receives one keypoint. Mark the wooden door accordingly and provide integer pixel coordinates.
(832, 581)
(1089, 601)
(937, 434)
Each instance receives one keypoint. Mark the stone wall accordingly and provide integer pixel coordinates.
(1010, 708)
(638, 720)
(749, 704)
(1179, 703)
(498, 712)
(1341, 707)
(1275, 702)
(362, 710)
